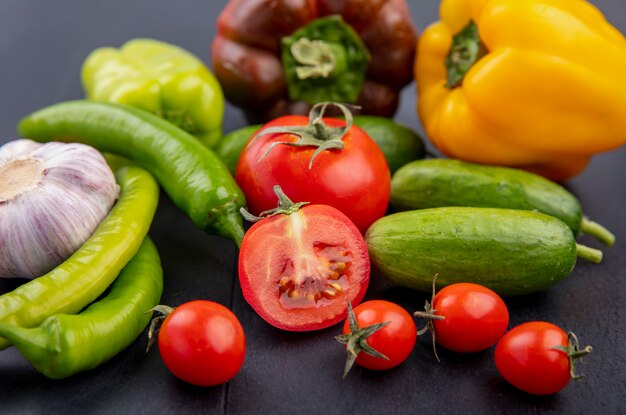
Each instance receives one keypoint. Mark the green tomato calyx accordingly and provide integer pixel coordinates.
(574, 352)
(156, 322)
(356, 340)
(316, 133)
(285, 207)
(430, 314)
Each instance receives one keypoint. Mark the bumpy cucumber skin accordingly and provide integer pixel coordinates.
(398, 143)
(512, 252)
(443, 182)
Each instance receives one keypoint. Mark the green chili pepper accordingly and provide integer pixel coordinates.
(191, 174)
(160, 78)
(89, 271)
(67, 344)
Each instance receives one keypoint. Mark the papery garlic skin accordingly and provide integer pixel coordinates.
(52, 198)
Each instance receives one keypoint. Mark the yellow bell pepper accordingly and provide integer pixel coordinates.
(535, 84)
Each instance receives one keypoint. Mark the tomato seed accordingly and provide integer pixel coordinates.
(336, 286)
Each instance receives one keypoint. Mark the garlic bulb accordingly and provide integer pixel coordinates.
(52, 198)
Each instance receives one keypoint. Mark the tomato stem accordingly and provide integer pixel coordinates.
(315, 134)
(574, 352)
(429, 315)
(356, 340)
(155, 324)
(285, 207)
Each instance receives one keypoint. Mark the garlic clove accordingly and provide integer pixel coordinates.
(52, 198)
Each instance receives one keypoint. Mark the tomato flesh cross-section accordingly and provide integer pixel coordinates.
(318, 280)
(298, 270)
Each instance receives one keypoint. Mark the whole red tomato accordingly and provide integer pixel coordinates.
(388, 331)
(354, 179)
(537, 357)
(298, 267)
(202, 343)
(475, 317)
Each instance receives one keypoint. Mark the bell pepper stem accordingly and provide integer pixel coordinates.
(325, 60)
(314, 57)
(466, 50)
(588, 253)
(595, 229)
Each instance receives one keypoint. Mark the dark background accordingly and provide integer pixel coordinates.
(42, 46)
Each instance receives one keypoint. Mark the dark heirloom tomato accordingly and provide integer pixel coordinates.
(260, 71)
(354, 179)
(298, 269)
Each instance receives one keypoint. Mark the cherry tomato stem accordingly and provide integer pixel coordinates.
(538, 357)
(464, 318)
(378, 335)
(202, 343)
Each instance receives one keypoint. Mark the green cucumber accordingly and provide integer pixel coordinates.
(398, 143)
(512, 252)
(231, 145)
(443, 182)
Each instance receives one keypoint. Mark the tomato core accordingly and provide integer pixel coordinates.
(319, 278)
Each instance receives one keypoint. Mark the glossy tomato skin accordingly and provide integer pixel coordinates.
(202, 343)
(395, 340)
(475, 317)
(298, 270)
(527, 359)
(355, 179)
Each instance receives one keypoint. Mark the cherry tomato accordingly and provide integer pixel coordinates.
(297, 270)
(394, 340)
(536, 357)
(475, 317)
(355, 179)
(202, 343)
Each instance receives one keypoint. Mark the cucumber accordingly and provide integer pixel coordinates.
(512, 252)
(230, 146)
(443, 182)
(399, 144)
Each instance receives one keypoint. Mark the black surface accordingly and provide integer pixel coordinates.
(42, 45)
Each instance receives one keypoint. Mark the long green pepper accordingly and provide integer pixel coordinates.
(191, 174)
(67, 344)
(92, 268)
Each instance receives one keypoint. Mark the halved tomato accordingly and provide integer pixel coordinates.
(297, 269)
